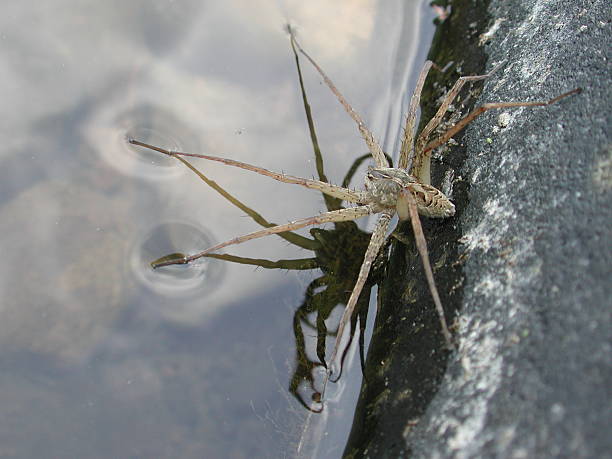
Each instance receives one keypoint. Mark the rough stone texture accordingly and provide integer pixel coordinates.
(532, 374)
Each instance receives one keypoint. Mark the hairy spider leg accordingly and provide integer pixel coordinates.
(345, 194)
(490, 106)
(407, 148)
(292, 238)
(351, 213)
(377, 153)
(421, 244)
(379, 235)
(421, 166)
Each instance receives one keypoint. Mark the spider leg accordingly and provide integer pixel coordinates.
(373, 146)
(421, 165)
(331, 203)
(327, 188)
(292, 238)
(350, 213)
(406, 151)
(422, 248)
(376, 242)
(489, 106)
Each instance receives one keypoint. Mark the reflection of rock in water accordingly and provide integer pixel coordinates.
(63, 247)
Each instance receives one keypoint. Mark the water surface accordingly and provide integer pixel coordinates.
(102, 356)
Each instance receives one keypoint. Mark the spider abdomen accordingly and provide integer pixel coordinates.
(430, 201)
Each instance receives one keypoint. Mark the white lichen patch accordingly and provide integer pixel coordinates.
(485, 37)
(481, 362)
(482, 237)
(602, 171)
(504, 119)
(447, 183)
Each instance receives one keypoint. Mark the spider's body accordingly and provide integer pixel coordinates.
(384, 188)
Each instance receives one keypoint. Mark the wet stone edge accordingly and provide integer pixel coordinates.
(407, 357)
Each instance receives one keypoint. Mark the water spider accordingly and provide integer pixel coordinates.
(404, 190)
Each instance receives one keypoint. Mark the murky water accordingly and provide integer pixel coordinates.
(100, 355)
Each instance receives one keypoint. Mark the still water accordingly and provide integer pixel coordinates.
(101, 356)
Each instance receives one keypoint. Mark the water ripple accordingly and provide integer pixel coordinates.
(115, 123)
(177, 280)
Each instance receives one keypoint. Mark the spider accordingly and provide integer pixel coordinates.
(404, 190)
